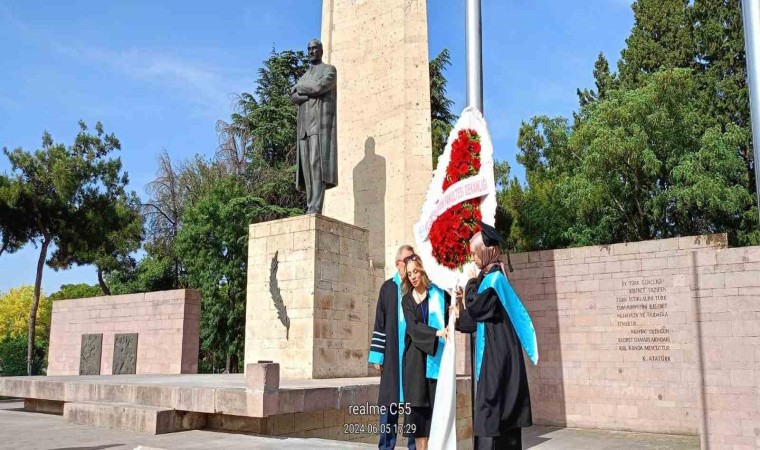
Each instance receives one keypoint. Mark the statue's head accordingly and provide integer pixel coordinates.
(315, 51)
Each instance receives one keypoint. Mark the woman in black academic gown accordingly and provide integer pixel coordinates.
(425, 308)
(501, 407)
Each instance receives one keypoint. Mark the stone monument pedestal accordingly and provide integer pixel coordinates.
(318, 269)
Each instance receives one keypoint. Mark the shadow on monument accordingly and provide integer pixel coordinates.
(697, 314)
(369, 178)
(97, 447)
(21, 409)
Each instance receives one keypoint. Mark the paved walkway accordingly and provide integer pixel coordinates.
(548, 438)
(21, 430)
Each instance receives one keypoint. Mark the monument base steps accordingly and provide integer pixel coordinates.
(256, 402)
(43, 406)
(135, 418)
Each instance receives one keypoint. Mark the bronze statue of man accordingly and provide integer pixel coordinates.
(317, 158)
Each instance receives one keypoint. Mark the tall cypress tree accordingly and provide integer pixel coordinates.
(442, 119)
(721, 63)
(662, 38)
(604, 80)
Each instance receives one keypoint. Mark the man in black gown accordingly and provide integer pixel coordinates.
(501, 407)
(385, 353)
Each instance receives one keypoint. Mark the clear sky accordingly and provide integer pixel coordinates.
(159, 74)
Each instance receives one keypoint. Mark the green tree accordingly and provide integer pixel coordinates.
(539, 220)
(604, 80)
(14, 313)
(708, 36)
(213, 246)
(13, 356)
(723, 93)
(121, 226)
(72, 291)
(154, 272)
(676, 177)
(441, 117)
(59, 186)
(197, 176)
(259, 141)
(642, 165)
(15, 226)
(177, 187)
(257, 150)
(662, 38)
(268, 113)
(14, 318)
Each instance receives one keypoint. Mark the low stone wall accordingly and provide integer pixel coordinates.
(167, 325)
(658, 336)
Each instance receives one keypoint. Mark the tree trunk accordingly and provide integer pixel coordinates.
(234, 366)
(35, 304)
(228, 366)
(102, 282)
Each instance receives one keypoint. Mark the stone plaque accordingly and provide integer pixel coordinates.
(642, 318)
(89, 358)
(125, 354)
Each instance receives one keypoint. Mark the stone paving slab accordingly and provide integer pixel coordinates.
(23, 430)
(550, 438)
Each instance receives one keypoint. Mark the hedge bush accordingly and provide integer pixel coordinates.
(13, 356)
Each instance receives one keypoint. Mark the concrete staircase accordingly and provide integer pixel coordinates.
(130, 417)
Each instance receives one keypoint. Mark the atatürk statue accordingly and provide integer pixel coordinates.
(317, 160)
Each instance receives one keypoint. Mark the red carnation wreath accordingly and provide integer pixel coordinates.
(451, 232)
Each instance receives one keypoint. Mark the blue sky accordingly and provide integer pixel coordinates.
(160, 74)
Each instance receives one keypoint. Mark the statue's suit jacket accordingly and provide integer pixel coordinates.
(317, 116)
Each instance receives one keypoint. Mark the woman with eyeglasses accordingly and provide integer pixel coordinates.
(426, 312)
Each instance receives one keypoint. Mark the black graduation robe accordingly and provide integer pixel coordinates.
(420, 341)
(502, 399)
(385, 342)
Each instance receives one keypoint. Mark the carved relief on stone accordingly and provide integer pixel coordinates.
(89, 357)
(125, 354)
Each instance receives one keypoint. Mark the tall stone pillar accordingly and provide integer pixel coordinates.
(380, 48)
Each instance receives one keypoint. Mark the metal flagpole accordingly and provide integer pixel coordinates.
(751, 15)
(474, 55)
(474, 46)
